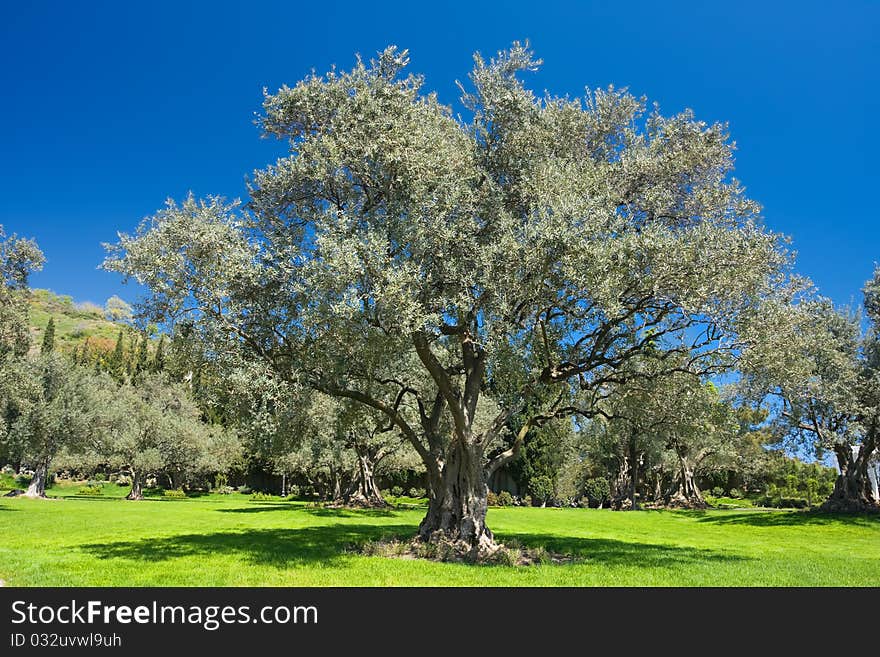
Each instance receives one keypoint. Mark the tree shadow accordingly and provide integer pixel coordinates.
(613, 552)
(285, 548)
(790, 519)
(342, 512)
(280, 548)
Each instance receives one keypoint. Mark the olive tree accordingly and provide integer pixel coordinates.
(414, 261)
(18, 258)
(52, 406)
(824, 372)
(156, 427)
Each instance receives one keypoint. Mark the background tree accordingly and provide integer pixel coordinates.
(408, 261)
(117, 310)
(48, 344)
(823, 371)
(18, 258)
(153, 428)
(53, 408)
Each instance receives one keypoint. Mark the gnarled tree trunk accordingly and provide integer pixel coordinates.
(365, 491)
(852, 490)
(137, 486)
(457, 502)
(37, 486)
(685, 492)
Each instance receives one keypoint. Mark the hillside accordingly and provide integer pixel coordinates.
(74, 322)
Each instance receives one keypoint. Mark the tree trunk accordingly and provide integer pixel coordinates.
(457, 503)
(852, 490)
(137, 487)
(37, 487)
(620, 486)
(687, 494)
(634, 475)
(365, 492)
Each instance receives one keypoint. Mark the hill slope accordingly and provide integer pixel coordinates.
(74, 322)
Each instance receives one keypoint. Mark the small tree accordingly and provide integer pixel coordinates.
(155, 427)
(18, 259)
(48, 344)
(117, 310)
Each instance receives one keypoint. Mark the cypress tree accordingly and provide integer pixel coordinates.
(48, 345)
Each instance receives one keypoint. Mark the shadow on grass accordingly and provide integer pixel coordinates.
(284, 548)
(263, 507)
(761, 518)
(280, 548)
(611, 552)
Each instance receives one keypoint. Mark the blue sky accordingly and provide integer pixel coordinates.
(109, 108)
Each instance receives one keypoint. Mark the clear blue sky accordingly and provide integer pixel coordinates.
(109, 108)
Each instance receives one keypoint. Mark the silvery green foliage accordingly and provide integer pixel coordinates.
(50, 406)
(156, 427)
(409, 260)
(18, 258)
(820, 365)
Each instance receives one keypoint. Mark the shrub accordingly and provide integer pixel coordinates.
(718, 491)
(220, 480)
(505, 498)
(90, 490)
(293, 491)
(736, 493)
(527, 500)
(491, 499)
(100, 476)
(175, 493)
(244, 489)
(260, 497)
(225, 490)
(416, 492)
(23, 480)
(397, 491)
(386, 493)
(7, 470)
(123, 480)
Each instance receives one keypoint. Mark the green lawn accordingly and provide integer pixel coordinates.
(232, 541)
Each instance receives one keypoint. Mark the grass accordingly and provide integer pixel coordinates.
(229, 540)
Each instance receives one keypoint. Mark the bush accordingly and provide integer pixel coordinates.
(505, 498)
(293, 491)
(220, 480)
(23, 480)
(244, 489)
(386, 493)
(416, 492)
(260, 497)
(718, 491)
(397, 491)
(736, 493)
(100, 476)
(90, 490)
(527, 500)
(175, 493)
(491, 499)
(225, 490)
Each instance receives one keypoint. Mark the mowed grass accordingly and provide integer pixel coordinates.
(233, 541)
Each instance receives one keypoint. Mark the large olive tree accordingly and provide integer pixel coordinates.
(414, 261)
